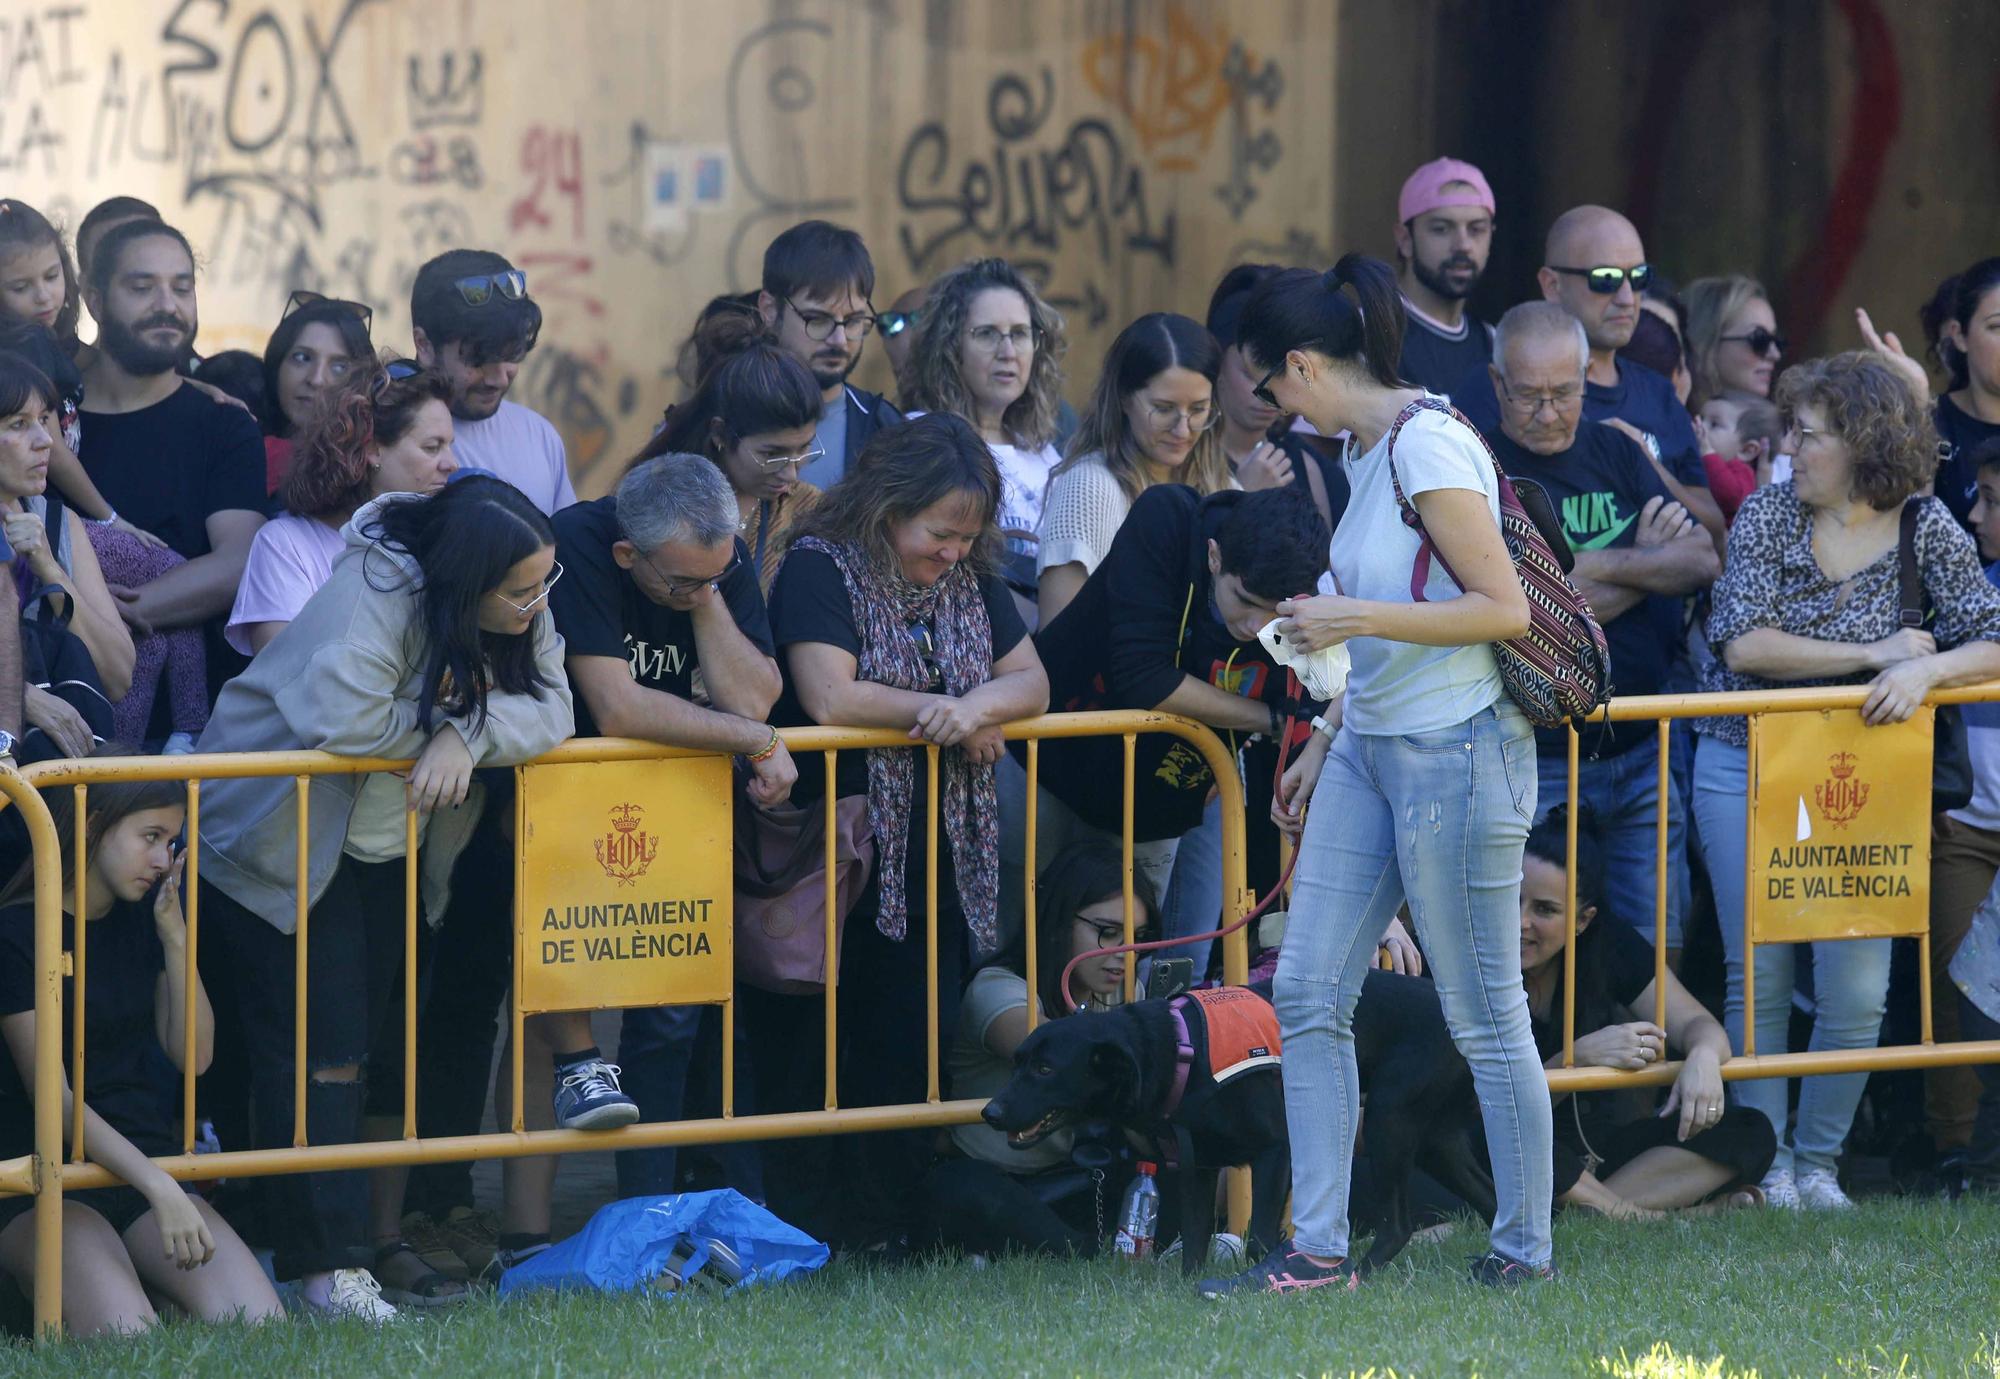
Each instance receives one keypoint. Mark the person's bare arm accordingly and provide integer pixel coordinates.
(622, 707)
(1204, 703)
(1056, 587)
(204, 588)
(1669, 555)
(741, 679)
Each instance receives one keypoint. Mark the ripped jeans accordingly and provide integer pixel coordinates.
(354, 958)
(1438, 819)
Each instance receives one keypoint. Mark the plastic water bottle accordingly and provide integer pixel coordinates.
(1139, 1217)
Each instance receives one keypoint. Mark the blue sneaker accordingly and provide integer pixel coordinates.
(587, 1097)
(1284, 1270)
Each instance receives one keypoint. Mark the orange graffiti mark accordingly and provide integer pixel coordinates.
(1170, 86)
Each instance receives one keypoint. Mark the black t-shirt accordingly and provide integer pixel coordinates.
(1962, 433)
(601, 611)
(1640, 398)
(1144, 618)
(126, 1078)
(1598, 487)
(1614, 966)
(810, 603)
(1438, 360)
(170, 467)
(1309, 455)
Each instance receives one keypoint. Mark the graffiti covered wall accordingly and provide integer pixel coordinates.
(636, 156)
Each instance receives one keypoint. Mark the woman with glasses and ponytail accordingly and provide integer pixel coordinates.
(753, 412)
(430, 641)
(1424, 793)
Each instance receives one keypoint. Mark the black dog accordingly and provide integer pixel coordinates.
(1122, 1066)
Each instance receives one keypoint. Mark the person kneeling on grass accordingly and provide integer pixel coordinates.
(1694, 1152)
(150, 1233)
(985, 1193)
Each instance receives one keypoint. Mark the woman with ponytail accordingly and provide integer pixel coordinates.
(389, 431)
(1424, 793)
(753, 412)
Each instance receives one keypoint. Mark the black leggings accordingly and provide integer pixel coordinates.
(1741, 1141)
(318, 1221)
(979, 1206)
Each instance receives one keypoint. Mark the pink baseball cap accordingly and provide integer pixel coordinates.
(1425, 189)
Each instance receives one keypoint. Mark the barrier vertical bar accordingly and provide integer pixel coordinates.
(1662, 795)
(410, 973)
(1569, 906)
(1749, 900)
(304, 786)
(931, 927)
(1028, 887)
(1125, 827)
(48, 1124)
(516, 1013)
(729, 1053)
(1924, 986)
(832, 970)
(79, 929)
(191, 973)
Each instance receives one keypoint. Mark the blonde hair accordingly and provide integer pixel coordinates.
(1711, 304)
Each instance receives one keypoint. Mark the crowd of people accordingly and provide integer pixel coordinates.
(375, 552)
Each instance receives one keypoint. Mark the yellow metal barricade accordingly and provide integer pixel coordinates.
(47, 1175)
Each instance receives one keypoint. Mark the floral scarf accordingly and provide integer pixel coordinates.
(886, 607)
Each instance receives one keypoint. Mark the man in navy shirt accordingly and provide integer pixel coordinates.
(1595, 268)
(1638, 554)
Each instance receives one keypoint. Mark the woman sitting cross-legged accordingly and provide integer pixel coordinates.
(1694, 1151)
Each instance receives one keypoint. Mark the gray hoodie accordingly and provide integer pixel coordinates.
(346, 676)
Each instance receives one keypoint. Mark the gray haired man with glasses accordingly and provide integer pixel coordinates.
(818, 278)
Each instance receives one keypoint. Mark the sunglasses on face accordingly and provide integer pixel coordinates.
(481, 288)
(1606, 281)
(892, 322)
(1761, 341)
(1262, 392)
(819, 325)
(555, 573)
(303, 298)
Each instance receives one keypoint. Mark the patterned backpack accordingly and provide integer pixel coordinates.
(1561, 668)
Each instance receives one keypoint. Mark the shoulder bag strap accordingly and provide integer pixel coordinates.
(1909, 581)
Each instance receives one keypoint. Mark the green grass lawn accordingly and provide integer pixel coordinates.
(1896, 1288)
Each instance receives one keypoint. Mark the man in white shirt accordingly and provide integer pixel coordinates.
(473, 321)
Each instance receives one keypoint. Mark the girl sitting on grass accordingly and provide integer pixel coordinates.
(1694, 1152)
(149, 1233)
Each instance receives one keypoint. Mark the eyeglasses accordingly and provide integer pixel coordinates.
(678, 587)
(986, 339)
(1761, 341)
(1605, 281)
(480, 289)
(1262, 392)
(1167, 417)
(303, 298)
(1529, 404)
(926, 644)
(1111, 933)
(893, 322)
(819, 325)
(555, 573)
(804, 457)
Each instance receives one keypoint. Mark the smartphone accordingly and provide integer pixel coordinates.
(1169, 977)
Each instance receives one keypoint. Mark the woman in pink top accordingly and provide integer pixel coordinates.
(387, 431)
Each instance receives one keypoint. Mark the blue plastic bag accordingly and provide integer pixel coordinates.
(626, 1244)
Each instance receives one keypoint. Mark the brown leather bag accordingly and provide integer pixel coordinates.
(781, 889)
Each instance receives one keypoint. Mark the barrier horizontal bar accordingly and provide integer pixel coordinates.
(333, 1158)
(1812, 1064)
(1736, 703)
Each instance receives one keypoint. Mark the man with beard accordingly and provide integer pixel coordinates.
(472, 320)
(1444, 233)
(817, 280)
(167, 458)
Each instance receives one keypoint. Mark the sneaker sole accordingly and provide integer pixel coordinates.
(604, 1117)
(399, 1299)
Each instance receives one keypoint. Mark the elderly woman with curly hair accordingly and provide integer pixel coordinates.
(1810, 596)
(989, 349)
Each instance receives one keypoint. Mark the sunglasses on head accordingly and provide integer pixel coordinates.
(481, 288)
(395, 371)
(303, 298)
(1761, 341)
(896, 322)
(1605, 281)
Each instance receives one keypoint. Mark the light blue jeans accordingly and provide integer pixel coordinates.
(1850, 978)
(1193, 902)
(1623, 792)
(1437, 819)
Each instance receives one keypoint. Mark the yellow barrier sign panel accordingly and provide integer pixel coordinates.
(1840, 826)
(624, 884)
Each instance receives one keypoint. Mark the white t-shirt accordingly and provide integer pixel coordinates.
(517, 444)
(1024, 480)
(1396, 687)
(290, 557)
(1082, 513)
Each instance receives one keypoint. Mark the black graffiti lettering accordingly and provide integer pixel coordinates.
(326, 98)
(206, 58)
(272, 84)
(456, 97)
(58, 18)
(36, 135)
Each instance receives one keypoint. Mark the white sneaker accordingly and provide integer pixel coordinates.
(1819, 1190)
(353, 1293)
(1780, 1191)
(1226, 1253)
(178, 745)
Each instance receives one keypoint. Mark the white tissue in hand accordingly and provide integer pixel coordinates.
(1322, 672)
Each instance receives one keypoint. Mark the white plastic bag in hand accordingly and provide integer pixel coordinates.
(1322, 672)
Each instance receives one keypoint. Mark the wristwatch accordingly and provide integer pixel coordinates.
(1322, 727)
(8, 742)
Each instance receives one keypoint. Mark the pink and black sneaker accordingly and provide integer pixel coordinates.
(1284, 1270)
